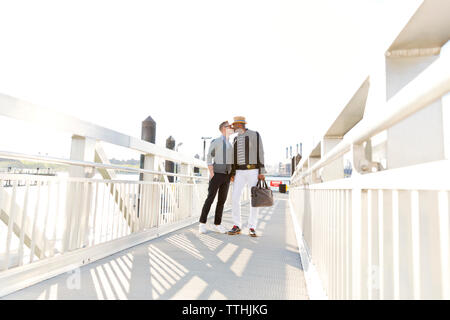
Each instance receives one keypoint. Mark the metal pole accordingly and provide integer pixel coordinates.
(148, 133)
(204, 146)
(170, 144)
(204, 149)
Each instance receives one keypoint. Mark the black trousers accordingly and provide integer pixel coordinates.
(219, 182)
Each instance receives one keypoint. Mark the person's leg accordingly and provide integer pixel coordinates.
(238, 185)
(253, 181)
(223, 193)
(212, 190)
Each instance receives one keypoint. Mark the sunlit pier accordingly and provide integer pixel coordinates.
(366, 215)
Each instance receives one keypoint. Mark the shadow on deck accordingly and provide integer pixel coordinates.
(187, 265)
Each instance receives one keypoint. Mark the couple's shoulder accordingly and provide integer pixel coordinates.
(254, 132)
(219, 138)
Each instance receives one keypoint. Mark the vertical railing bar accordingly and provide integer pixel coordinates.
(134, 221)
(396, 243)
(23, 224)
(444, 226)
(84, 216)
(168, 199)
(321, 233)
(416, 252)
(332, 243)
(166, 220)
(11, 220)
(336, 243)
(348, 243)
(94, 222)
(103, 224)
(340, 255)
(342, 243)
(33, 234)
(44, 229)
(131, 215)
(369, 244)
(113, 227)
(166, 209)
(148, 208)
(146, 212)
(140, 206)
(125, 209)
(120, 207)
(58, 194)
(381, 244)
(173, 201)
(87, 230)
(108, 210)
(324, 237)
(158, 190)
(329, 244)
(169, 203)
(124, 215)
(67, 219)
(73, 225)
(119, 213)
(129, 208)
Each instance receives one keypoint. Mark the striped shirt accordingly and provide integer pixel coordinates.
(240, 149)
(252, 149)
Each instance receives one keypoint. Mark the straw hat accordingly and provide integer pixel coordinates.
(239, 120)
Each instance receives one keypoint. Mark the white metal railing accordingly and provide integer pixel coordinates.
(379, 236)
(39, 225)
(52, 224)
(386, 234)
(431, 84)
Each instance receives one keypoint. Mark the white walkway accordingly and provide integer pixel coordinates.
(186, 265)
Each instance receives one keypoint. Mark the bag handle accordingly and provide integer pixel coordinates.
(262, 184)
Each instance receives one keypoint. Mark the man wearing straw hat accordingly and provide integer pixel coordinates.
(248, 168)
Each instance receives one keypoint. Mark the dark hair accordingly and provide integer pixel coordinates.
(223, 124)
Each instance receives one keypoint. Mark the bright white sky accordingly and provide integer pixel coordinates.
(287, 66)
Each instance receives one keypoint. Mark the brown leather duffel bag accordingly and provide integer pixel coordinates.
(261, 195)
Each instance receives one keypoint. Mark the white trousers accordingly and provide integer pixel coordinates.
(242, 178)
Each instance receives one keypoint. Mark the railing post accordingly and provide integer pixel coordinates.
(185, 205)
(83, 149)
(314, 178)
(334, 170)
(421, 135)
(356, 242)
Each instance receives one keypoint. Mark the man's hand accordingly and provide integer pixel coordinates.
(211, 172)
(261, 177)
(232, 178)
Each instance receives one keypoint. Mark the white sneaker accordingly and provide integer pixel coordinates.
(202, 228)
(220, 229)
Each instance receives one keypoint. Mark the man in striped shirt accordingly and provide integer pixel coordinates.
(248, 168)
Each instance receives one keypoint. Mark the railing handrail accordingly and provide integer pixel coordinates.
(22, 110)
(432, 83)
(62, 161)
